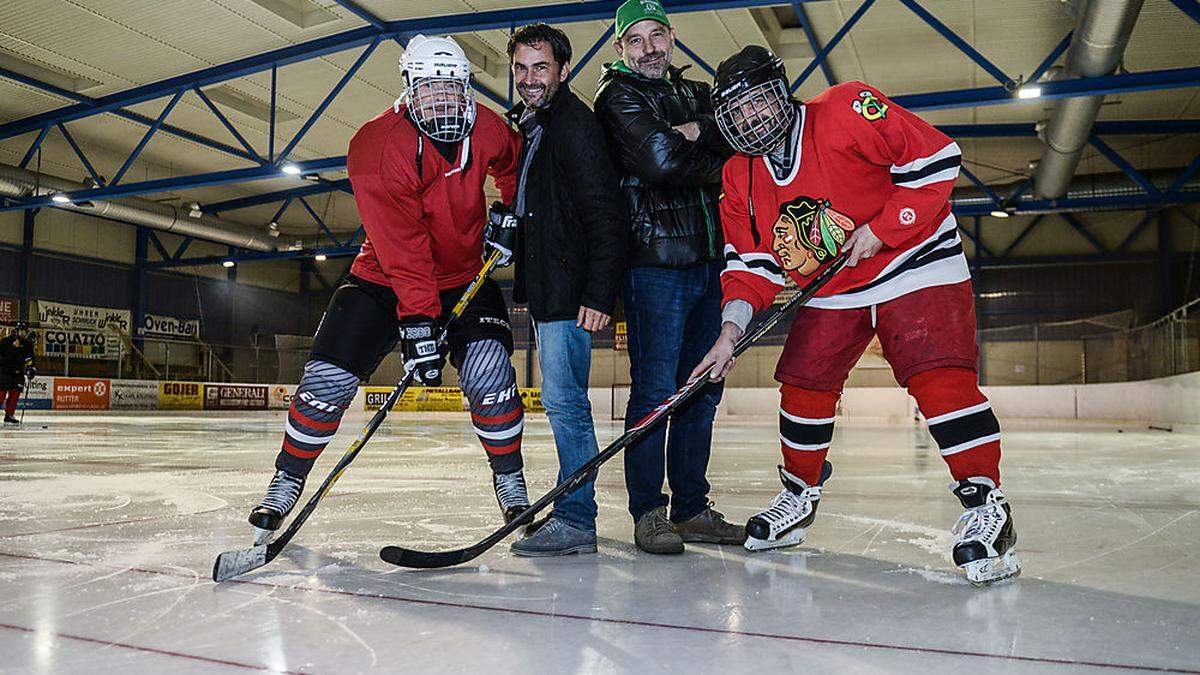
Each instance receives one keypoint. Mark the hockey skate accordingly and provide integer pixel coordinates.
(281, 498)
(9, 420)
(786, 520)
(511, 494)
(986, 535)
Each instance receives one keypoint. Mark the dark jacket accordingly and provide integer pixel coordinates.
(671, 185)
(15, 356)
(571, 243)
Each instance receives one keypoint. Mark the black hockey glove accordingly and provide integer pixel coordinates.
(30, 373)
(500, 233)
(418, 342)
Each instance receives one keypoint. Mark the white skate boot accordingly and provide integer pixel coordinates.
(986, 535)
(786, 520)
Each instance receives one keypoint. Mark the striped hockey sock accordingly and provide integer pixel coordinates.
(806, 430)
(960, 420)
(324, 393)
(490, 384)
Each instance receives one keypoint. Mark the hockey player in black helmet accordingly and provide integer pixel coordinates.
(850, 174)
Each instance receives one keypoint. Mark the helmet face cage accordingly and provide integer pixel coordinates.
(756, 120)
(443, 108)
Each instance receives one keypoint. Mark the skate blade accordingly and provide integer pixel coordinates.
(262, 536)
(793, 538)
(990, 571)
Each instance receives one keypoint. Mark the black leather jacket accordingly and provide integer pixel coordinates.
(671, 185)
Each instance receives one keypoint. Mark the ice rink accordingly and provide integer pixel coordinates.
(109, 526)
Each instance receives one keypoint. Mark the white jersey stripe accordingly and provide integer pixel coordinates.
(943, 175)
(921, 162)
(303, 437)
(938, 419)
(975, 443)
(806, 420)
(805, 448)
(501, 435)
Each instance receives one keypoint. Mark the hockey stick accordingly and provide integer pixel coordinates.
(233, 563)
(405, 557)
(25, 397)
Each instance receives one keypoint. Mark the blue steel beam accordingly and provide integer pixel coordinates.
(1079, 227)
(980, 184)
(566, 12)
(1189, 7)
(320, 109)
(1111, 128)
(591, 52)
(320, 223)
(282, 208)
(1109, 203)
(270, 197)
(1185, 175)
(62, 128)
(1048, 62)
(182, 248)
(137, 150)
(979, 245)
(1137, 229)
(696, 57)
(1024, 233)
(158, 245)
(228, 125)
(37, 143)
(953, 38)
(361, 13)
(813, 42)
(1125, 167)
(824, 54)
(1123, 83)
(124, 114)
(185, 182)
(252, 256)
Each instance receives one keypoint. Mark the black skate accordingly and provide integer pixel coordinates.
(9, 419)
(986, 535)
(786, 520)
(282, 495)
(511, 494)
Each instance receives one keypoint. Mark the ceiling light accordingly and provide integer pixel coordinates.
(194, 210)
(320, 257)
(1029, 91)
(273, 229)
(60, 198)
(227, 263)
(290, 169)
(999, 214)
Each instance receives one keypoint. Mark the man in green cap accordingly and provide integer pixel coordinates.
(669, 153)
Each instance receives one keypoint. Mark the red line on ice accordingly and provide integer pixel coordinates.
(655, 624)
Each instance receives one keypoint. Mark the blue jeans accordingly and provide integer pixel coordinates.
(565, 356)
(674, 317)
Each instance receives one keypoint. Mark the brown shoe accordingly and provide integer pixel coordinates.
(654, 533)
(710, 527)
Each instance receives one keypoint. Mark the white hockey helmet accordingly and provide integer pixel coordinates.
(438, 93)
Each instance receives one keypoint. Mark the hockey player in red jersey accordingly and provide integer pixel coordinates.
(418, 172)
(849, 173)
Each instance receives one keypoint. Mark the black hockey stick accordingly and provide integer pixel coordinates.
(405, 557)
(25, 396)
(234, 563)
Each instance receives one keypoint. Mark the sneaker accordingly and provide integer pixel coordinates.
(556, 537)
(654, 533)
(710, 527)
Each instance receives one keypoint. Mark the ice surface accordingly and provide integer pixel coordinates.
(109, 526)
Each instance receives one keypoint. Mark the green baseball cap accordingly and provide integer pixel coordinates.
(633, 11)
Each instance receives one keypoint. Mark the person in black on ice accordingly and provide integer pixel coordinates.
(16, 365)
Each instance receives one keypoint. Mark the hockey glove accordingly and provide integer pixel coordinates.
(500, 233)
(418, 343)
(30, 373)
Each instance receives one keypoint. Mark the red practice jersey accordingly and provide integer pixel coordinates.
(425, 228)
(862, 160)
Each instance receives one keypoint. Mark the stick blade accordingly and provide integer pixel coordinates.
(235, 563)
(405, 557)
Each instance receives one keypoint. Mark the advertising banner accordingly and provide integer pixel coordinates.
(448, 399)
(532, 398)
(80, 331)
(157, 325)
(38, 395)
(180, 396)
(80, 393)
(235, 397)
(620, 336)
(8, 309)
(281, 396)
(133, 395)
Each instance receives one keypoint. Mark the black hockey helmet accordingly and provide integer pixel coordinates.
(751, 100)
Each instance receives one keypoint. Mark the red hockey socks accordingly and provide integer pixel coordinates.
(805, 430)
(960, 420)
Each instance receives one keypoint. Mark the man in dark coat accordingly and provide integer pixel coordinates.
(16, 365)
(670, 153)
(569, 259)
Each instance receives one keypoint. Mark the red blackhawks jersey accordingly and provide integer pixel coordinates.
(861, 160)
(425, 228)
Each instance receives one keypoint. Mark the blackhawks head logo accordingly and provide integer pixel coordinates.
(808, 233)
